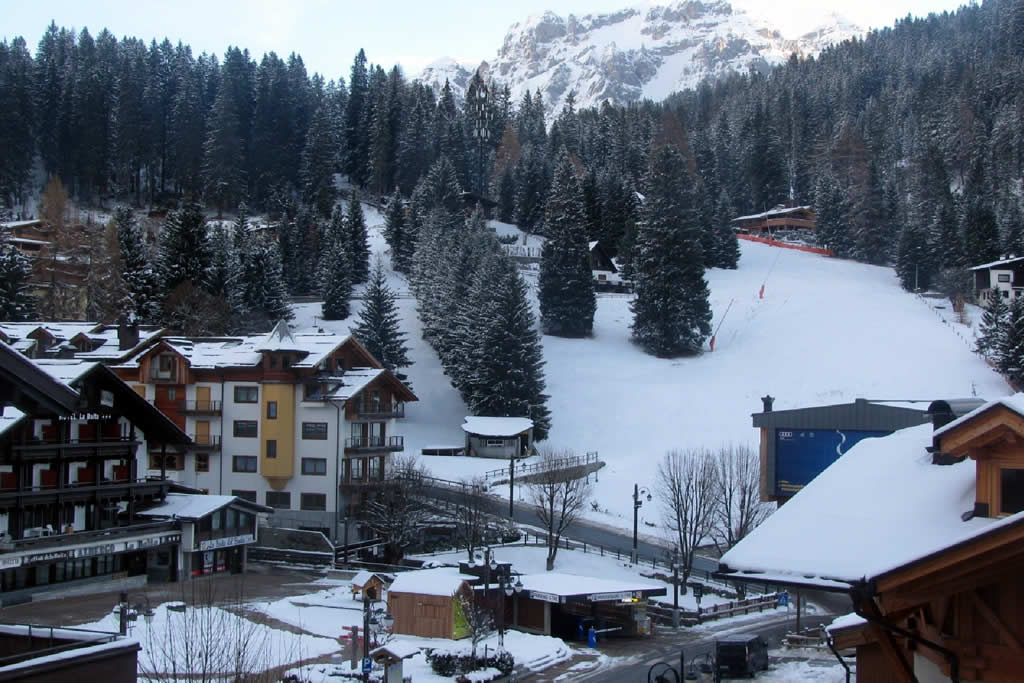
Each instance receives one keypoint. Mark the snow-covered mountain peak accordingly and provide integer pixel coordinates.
(648, 50)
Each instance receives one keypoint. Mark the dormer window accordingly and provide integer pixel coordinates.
(1011, 485)
(164, 367)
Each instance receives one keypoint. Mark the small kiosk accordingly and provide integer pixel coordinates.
(498, 437)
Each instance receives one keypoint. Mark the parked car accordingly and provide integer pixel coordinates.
(741, 654)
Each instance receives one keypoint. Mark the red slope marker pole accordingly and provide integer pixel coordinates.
(712, 344)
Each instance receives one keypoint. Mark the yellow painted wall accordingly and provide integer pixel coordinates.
(277, 471)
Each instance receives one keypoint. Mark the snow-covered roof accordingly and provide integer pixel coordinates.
(397, 649)
(59, 331)
(496, 426)
(443, 581)
(845, 621)
(225, 352)
(344, 387)
(10, 417)
(190, 506)
(1000, 262)
(363, 577)
(110, 348)
(565, 585)
(65, 371)
(878, 507)
(1014, 403)
(777, 211)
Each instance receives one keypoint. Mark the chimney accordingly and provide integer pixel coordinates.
(941, 413)
(127, 333)
(767, 401)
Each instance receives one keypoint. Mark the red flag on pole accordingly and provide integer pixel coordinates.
(712, 342)
(761, 295)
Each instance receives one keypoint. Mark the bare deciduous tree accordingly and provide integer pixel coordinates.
(396, 512)
(470, 518)
(208, 639)
(686, 492)
(479, 621)
(559, 498)
(739, 508)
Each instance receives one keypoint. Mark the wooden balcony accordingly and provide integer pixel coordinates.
(107, 449)
(57, 540)
(83, 491)
(163, 376)
(380, 411)
(356, 483)
(199, 407)
(375, 444)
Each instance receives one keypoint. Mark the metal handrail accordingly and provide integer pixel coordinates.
(375, 442)
(199, 406)
(84, 536)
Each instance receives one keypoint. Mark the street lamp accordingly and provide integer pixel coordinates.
(638, 493)
(509, 589)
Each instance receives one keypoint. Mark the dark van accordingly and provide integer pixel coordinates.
(741, 655)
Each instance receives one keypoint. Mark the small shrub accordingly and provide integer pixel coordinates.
(449, 663)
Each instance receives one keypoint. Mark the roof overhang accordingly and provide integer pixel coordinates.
(31, 389)
(990, 425)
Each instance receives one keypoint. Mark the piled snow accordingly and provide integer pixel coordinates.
(442, 581)
(827, 331)
(845, 621)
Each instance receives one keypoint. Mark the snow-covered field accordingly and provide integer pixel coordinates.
(827, 331)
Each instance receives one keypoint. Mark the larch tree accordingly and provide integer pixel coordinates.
(566, 285)
(378, 322)
(671, 312)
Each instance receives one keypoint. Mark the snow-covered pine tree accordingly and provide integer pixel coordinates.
(565, 283)
(184, 247)
(224, 278)
(141, 280)
(336, 286)
(396, 234)
(265, 290)
(357, 245)
(831, 209)
(507, 361)
(16, 302)
(993, 329)
(671, 312)
(223, 177)
(1011, 352)
(318, 161)
(378, 322)
(334, 239)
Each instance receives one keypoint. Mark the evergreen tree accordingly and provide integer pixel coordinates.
(357, 244)
(506, 361)
(1011, 349)
(832, 213)
(223, 155)
(336, 287)
(16, 302)
(265, 292)
(141, 280)
(317, 166)
(398, 235)
(566, 284)
(223, 280)
(356, 136)
(184, 247)
(993, 329)
(671, 312)
(378, 323)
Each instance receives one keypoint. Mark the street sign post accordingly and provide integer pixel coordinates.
(367, 665)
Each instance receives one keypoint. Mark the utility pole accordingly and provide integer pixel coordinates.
(366, 635)
(511, 486)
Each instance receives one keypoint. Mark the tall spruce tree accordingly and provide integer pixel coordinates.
(993, 329)
(507, 361)
(336, 286)
(16, 302)
(184, 247)
(1011, 351)
(399, 237)
(265, 292)
(141, 280)
(566, 284)
(357, 245)
(378, 323)
(671, 312)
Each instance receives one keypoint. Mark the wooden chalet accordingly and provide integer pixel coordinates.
(999, 279)
(933, 565)
(428, 603)
(774, 220)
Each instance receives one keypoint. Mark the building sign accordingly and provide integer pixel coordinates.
(544, 597)
(9, 562)
(215, 543)
(801, 455)
(604, 597)
(86, 551)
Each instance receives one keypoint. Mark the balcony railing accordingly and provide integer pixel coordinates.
(365, 444)
(76, 450)
(156, 375)
(204, 407)
(74, 538)
(361, 482)
(380, 410)
(85, 489)
(204, 442)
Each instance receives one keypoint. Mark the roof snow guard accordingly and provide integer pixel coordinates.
(496, 426)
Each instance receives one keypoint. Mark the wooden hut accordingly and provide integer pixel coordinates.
(368, 584)
(428, 603)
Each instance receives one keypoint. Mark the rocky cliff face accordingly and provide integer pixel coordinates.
(636, 53)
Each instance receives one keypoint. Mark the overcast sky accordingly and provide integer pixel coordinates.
(412, 33)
